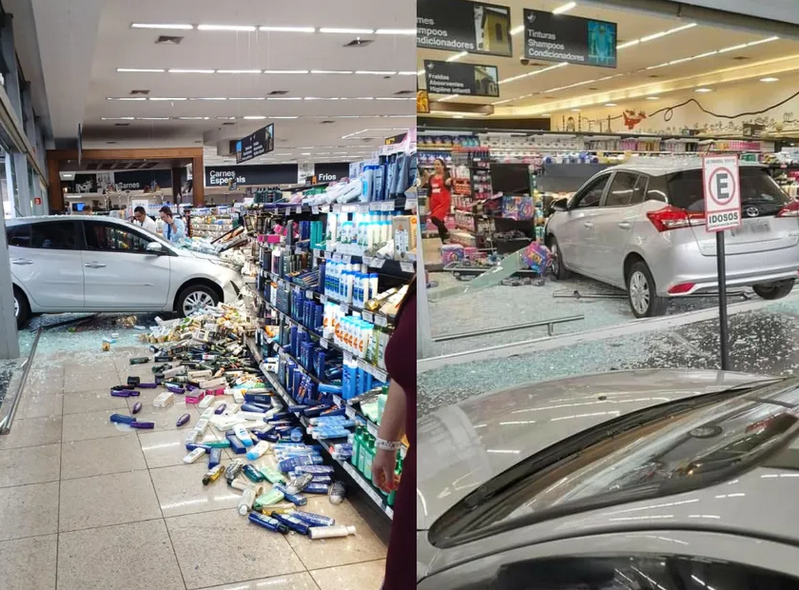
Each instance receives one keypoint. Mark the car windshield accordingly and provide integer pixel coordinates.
(757, 188)
(684, 447)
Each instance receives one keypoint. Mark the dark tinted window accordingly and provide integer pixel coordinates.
(110, 237)
(622, 189)
(54, 235)
(19, 235)
(650, 572)
(758, 189)
(592, 195)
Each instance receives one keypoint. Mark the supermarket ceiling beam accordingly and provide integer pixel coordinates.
(704, 15)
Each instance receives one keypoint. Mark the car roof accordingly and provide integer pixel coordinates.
(46, 218)
(662, 165)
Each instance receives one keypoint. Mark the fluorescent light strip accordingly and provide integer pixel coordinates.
(288, 29)
(238, 71)
(161, 26)
(157, 98)
(396, 31)
(503, 101)
(283, 98)
(457, 56)
(407, 73)
(292, 117)
(654, 36)
(285, 71)
(710, 53)
(210, 98)
(182, 71)
(534, 73)
(248, 98)
(376, 72)
(254, 117)
(448, 97)
(564, 8)
(331, 71)
(516, 30)
(136, 98)
(117, 118)
(153, 118)
(241, 28)
(420, 73)
(346, 31)
(141, 70)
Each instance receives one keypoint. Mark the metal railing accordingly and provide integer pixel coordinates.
(550, 324)
(8, 419)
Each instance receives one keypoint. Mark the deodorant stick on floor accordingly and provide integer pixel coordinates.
(327, 532)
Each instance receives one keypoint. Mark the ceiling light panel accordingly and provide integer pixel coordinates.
(174, 27)
(396, 31)
(189, 71)
(564, 8)
(331, 71)
(346, 31)
(269, 29)
(654, 36)
(278, 72)
(238, 28)
(238, 71)
(141, 70)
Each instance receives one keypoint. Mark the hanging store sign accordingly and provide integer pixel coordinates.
(257, 174)
(255, 144)
(571, 39)
(458, 25)
(444, 77)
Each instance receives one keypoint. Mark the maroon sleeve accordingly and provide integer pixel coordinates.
(401, 362)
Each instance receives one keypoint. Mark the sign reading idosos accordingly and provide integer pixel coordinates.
(571, 39)
(444, 77)
(458, 25)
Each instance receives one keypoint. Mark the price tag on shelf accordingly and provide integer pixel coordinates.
(336, 257)
(328, 253)
(371, 428)
(363, 365)
(411, 204)
(372, 494)
(349, 412)
(407, 267)
(387, 206)
(347, 357)
(344, 307)
(390, 512)
(298, 209)
(317, 252)
(324, 208)
(369, 317)
(337, 400)
(314, 209)
(380, 375)
(297, 289)
(323, 298)
(324, 343)
(346, 259)
(310, 294)
(336, 208)
(381, 321)
(377, 262)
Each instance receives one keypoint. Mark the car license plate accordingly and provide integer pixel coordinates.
(752, 227)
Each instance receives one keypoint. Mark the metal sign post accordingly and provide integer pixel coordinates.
(722, 192)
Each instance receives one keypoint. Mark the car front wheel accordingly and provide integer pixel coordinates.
(22, 310)
(195, 298)
(642, 292)
(558, 268)
(776, 290)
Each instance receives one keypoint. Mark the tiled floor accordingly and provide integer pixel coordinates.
(86, 504)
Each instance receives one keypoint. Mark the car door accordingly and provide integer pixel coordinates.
(119, 274)
(576, 236)
(615, 222)
(46, 262)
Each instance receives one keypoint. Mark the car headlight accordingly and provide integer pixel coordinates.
(225, 264)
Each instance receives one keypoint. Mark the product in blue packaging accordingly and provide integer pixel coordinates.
(313, 519)
(295, 499)
(295, 524)
(267, 522)
(317, 488)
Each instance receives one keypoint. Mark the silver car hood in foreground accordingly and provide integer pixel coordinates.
(465, 445)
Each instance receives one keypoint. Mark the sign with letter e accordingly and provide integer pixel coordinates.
(722, 189)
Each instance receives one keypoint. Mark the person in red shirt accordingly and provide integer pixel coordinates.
(440, 198)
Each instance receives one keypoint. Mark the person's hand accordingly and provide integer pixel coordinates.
(383, 466)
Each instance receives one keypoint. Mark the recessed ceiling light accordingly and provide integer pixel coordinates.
(238, 71)
(653, 98)
(141, 70)
(769, 79)
(347, 31)
(245, 28)
(285, 71)
(704, 90)
(457, 56)
(331, 71)
(610, 104)
(179, 27)
(396, 31)
(564, 8)
(167, 99)
(288, 29)
(183, 71)
(376, 72)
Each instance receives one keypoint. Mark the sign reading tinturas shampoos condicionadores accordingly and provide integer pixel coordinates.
(722, 189)
(444, 77)
(570, 39)
(458, 25)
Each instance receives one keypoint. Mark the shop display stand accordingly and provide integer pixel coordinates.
(471, 188)
(209, 222)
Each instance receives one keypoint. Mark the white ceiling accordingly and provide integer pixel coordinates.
(564, 87)
(304, 138)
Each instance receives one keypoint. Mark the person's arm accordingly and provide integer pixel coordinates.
(392, 429)
(179, 228)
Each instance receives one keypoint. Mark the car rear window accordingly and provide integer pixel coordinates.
(757, 188)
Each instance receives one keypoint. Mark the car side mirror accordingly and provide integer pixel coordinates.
(156, 248)
(560, 205)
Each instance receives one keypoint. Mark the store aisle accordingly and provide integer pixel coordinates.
(88, 504)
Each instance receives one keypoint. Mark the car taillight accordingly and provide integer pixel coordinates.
(671, 217)
(790, 210)
(681, 288)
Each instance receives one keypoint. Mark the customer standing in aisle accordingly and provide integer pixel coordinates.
(399, 419)
(174, 228)
(440, 198)
(143, 220)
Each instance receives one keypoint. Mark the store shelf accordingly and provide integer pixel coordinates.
(387, 265)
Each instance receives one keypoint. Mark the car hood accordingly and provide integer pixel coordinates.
(464, 445)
